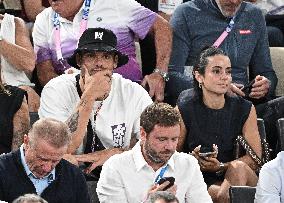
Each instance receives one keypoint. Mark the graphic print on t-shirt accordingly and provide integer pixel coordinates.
(118, 132)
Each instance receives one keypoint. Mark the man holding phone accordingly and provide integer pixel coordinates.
(133, 175)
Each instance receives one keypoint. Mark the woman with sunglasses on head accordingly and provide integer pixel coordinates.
(213, 118)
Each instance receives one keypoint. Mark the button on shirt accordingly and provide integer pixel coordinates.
(39, 183)
(127, 177)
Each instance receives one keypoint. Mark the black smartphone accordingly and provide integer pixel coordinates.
(206, 151)
(164, 179)
(247, 88)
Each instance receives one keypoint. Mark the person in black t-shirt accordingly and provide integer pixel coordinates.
(213, 119)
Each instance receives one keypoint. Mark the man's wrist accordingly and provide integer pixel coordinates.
(162, 73)
(221, 170)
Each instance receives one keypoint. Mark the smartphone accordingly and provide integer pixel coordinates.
(164, 179)
(247, 88)
(206, 151)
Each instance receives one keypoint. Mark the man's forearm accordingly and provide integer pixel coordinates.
(45, 72)
(163, 42)
(78, 121)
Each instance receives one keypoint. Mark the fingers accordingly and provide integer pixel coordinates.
(85, 158)
(235, 88)
(260, 87)
(92, 167)
(159, 92)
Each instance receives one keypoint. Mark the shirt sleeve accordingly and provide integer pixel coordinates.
(260, 63)
(54, 104)
(268, 187)
(110, 188)
(40, 37)
(197, 190)
(138, 18)
(181, 44)
(82, 190)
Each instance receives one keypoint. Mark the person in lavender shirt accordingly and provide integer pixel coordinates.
(56, 36)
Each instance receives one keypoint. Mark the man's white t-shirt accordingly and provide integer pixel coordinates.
(117, 120)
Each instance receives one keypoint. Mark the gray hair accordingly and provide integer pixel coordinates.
(54, 132)
(162, 195)
(29, 198)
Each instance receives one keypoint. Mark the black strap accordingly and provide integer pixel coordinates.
(98, 144)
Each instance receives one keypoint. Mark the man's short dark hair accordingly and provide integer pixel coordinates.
(161, 114)
(162, 195)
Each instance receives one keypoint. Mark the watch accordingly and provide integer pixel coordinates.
(164, 74)
(221, 170)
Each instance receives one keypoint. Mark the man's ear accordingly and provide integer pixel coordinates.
(143, 134)
(115, 61)
(78, 60)
(26, 140)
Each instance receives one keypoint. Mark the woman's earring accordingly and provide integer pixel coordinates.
(200, 85)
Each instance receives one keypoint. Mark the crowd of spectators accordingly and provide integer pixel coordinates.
(73, 62)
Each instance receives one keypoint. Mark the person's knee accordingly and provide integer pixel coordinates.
(238, 168)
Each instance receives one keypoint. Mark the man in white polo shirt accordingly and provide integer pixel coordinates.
(98, 102)
(58, 28)
(133, 175)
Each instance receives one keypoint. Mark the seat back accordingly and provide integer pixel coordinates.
(242, 194)
(280, 127)
(277, 58)
(261, 128)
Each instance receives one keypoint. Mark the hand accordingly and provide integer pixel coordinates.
(96, 158)
(157, 187)
(210, 164)
(156, 86)
(236, 89)
(98, 84)
(71, 158)
(260, 87)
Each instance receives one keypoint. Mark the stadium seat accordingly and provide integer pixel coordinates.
(277, 57)
(242, 194)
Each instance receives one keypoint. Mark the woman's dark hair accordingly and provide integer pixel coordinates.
(201, 63)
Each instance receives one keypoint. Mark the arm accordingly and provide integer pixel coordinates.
(21, 122)
(44, 65)
(45, 72)
(269, 186)
(260, 63)
(182, 136)
(181, 38)
(22, 48)
(96, 86)
(163, 43)
(82, 193)
(33, 8)
(251, 134)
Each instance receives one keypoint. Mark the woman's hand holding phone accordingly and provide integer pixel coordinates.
(207, 158)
